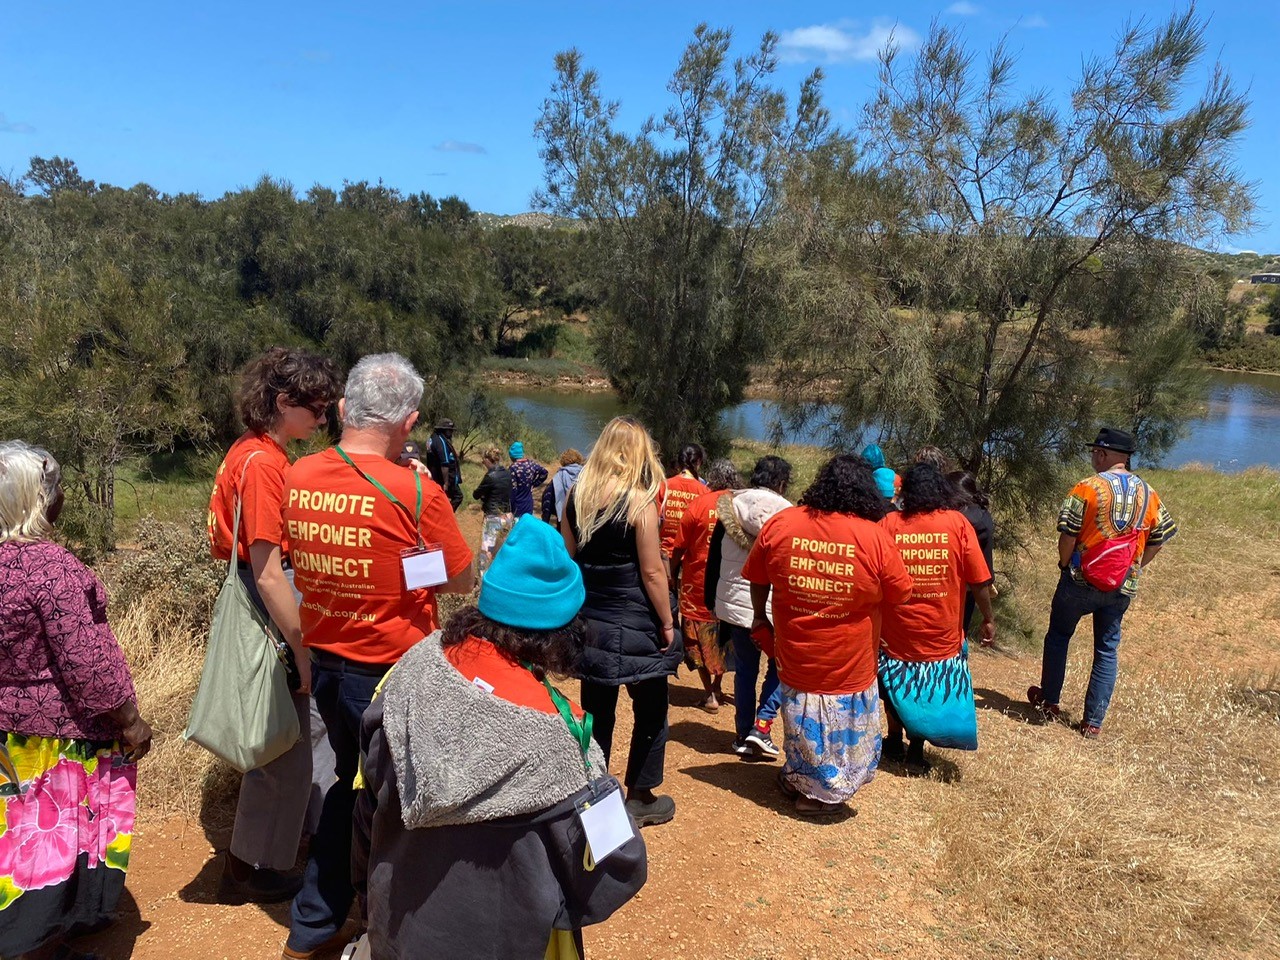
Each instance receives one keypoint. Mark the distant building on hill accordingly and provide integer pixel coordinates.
(1265, 278)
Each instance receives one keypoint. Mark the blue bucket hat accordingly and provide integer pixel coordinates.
(532, 583)
(873, 455)
(516, 450)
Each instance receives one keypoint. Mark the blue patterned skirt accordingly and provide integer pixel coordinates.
(831, 742)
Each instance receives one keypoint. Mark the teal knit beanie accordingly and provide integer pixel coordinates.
(532, 583)
(516, 450)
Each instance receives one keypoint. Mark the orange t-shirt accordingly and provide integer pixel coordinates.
(486, 666)
(693, 544)
(346, 540)
(679, 492)
(261, 496)
(830, 574)
(942, 555)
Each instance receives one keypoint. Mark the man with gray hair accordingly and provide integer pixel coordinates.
(371, 544)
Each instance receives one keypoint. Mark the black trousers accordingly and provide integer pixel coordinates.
(648, 738)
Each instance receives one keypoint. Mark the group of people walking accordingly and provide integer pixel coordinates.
(444, 768)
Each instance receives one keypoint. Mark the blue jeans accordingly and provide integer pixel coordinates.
(746, 667)
(342, 692)
(1071, 602)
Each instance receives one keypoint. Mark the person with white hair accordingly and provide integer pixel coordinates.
(70, 731)
(372, 543)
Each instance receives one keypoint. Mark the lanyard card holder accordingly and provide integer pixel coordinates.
(604, 819)
(423, 566)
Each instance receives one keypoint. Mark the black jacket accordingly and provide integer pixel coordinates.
(623, 645)
(494, 492)
(442, 462)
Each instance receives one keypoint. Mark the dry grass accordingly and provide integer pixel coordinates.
(1163, 839)
(166, 653)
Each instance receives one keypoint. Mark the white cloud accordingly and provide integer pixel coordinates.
(14, 126)
(1033, 22)
(460, 146)
(844, 41)
(963, 8)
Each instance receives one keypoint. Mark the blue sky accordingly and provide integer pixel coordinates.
(442, 97)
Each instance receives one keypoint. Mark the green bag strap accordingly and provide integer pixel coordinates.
(235, 523)
(417, 482)
(580, 729)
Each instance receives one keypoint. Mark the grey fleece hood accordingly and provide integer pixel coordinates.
(464, 755)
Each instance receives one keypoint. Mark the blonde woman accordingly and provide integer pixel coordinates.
(612, 530)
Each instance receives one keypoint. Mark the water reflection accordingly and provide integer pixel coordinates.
(1240, 428)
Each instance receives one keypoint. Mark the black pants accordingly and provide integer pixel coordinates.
(648, 738)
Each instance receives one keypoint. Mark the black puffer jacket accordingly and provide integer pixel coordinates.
(626, 631)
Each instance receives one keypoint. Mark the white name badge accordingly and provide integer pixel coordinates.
(606, 824)
(423, 566)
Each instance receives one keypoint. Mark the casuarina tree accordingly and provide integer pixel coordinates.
(677, 210)
(939, 281)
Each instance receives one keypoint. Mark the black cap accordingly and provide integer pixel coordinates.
(1118, 440)
(411, 451)
(444, 424)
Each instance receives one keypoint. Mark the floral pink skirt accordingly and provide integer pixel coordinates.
(68, 810)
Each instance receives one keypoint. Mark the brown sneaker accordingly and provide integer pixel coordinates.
(1088, 730)
(346, 933)
(1049, 712)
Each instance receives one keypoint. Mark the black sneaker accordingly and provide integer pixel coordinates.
(891, 748)
(660, 810)
(762, 744)
(242, 883)
(741, 747)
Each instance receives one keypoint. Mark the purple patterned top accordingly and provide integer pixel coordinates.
(61, 667)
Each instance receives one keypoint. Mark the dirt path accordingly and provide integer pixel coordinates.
(736, 874)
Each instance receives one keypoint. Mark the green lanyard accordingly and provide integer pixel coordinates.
(581, 729)
(417, 480)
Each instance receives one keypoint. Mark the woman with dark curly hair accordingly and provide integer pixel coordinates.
(831, 568)
(467, 828)
(285, 395)
(924, 663)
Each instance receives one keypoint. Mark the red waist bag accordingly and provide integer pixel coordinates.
(1106, 566)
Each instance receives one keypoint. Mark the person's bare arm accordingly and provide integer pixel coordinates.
(282, 606)
(1149, 554)
(653, 572)
(570, 539)
(982, 595)
(462, 583)
(1066, 547)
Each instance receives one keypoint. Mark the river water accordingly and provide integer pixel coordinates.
(1240, 427)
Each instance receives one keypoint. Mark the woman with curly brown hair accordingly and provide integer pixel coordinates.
(830, 567)
(284, 395)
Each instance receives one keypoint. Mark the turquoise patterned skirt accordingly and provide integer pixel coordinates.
(831, 742)
(932, 699)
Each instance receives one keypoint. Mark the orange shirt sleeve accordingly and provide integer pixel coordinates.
(439, 525)
(262, 497)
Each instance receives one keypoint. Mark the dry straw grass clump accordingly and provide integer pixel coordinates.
(165, 653)
(1160, 840)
